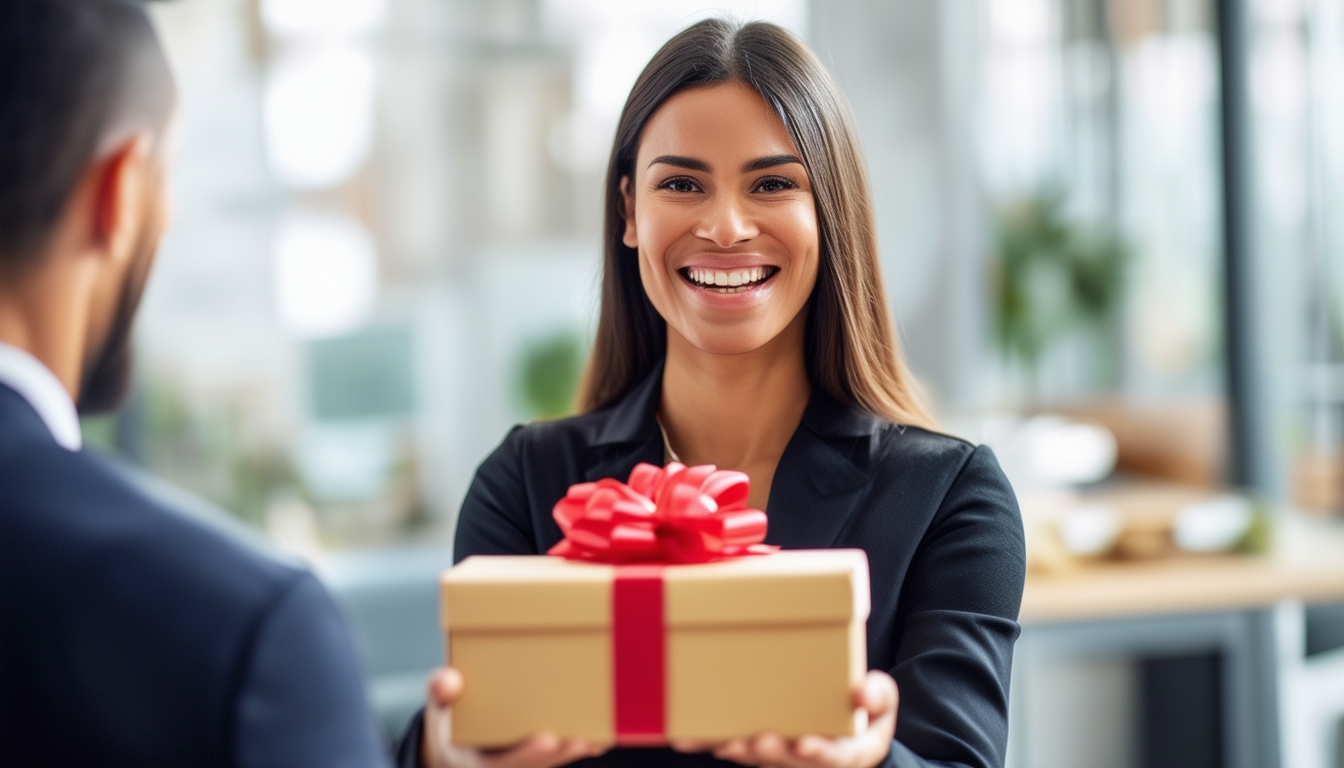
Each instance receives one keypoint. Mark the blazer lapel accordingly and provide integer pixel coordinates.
(631, 434)
(814, 494)
(818, 486)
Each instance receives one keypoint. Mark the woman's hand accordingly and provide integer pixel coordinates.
(542, 750)
(877, 695)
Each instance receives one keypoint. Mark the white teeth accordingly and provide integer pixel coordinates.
(726, 278)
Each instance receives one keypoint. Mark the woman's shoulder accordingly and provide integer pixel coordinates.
(932, 454)
(871, 439)
(577, 432)
(568, 447)
(901, 458)
(905, 442)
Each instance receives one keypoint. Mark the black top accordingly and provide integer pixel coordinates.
(134, 633)
(935, 514)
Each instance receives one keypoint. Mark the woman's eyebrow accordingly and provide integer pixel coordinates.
(688, 163)
(770, 162)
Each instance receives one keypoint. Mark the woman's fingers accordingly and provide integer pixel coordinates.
(877, 696)
(543, 750)
(577, 749)
(536, 751)
(445, 686)
(882, 699)
(738, 751)
(693, 746)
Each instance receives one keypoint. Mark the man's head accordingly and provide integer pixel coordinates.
(86, 100)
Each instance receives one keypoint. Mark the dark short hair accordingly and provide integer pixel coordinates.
(73, 73)
(851, 347)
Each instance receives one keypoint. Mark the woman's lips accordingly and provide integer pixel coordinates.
(728, 281)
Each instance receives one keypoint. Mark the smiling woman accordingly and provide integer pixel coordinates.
(744, 324)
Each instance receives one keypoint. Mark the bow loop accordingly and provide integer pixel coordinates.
(674, 514)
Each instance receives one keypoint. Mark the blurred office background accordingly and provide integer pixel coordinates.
(1112, 233)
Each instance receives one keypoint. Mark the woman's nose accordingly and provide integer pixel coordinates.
(726, 223)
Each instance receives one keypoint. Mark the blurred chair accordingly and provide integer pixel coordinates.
(1316, 729)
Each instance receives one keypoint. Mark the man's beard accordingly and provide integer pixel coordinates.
(107, 378)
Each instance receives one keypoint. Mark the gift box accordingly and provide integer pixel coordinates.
(642, 654)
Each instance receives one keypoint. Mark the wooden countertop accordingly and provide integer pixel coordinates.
(1307, 564)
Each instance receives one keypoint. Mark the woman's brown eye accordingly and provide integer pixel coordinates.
(775, 184)
(679, 184)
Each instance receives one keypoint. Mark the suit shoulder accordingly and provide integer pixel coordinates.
(571, 434)
(72, 516)
(906, 443)
(943, 459)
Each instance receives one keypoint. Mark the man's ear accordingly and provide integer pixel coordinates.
(120, 185)
(630, 238)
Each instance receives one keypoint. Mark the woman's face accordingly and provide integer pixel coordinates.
(721, 211)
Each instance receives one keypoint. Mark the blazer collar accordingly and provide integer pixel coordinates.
(828, 417)
(634, 419)
(630, 434)
(31, 380)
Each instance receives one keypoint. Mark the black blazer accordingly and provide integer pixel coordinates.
(133, 634)
(935, 514)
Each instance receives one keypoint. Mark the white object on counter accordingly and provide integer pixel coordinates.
(1214, 525)
(1090, 530)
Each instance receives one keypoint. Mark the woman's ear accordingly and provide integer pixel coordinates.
(630, 238)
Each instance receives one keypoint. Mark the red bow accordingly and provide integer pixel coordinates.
(676, 514)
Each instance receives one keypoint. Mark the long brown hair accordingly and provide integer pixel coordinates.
(851, 347)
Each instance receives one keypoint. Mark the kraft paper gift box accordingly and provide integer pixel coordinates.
(645, 654)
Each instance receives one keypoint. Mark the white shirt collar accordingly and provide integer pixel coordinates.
(26, 375)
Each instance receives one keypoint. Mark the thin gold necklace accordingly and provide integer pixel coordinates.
(669, 455)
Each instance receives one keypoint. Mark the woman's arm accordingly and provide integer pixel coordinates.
(958, 623)
(494, 519)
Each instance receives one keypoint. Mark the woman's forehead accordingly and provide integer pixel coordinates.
(726, 122)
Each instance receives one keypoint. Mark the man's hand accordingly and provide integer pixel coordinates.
(542, 750)
(877, 695)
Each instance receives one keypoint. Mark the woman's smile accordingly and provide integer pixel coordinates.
(730, 281)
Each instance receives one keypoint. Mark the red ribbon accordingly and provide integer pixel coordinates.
(673, 515)
(676, 514)
(638, 655)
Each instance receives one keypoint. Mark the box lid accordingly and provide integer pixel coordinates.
(533, 592)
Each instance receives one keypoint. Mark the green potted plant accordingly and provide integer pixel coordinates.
(1052, 277)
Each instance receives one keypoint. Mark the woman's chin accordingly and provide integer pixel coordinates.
(725, 342)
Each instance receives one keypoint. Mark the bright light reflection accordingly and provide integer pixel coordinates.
(322, 18)
(319, 115)
(326, 274)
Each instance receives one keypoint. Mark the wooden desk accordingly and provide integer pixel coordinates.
(1179, 585)
(1248, 609)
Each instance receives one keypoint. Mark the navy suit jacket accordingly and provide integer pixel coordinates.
(132, 633)
(935, 514)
